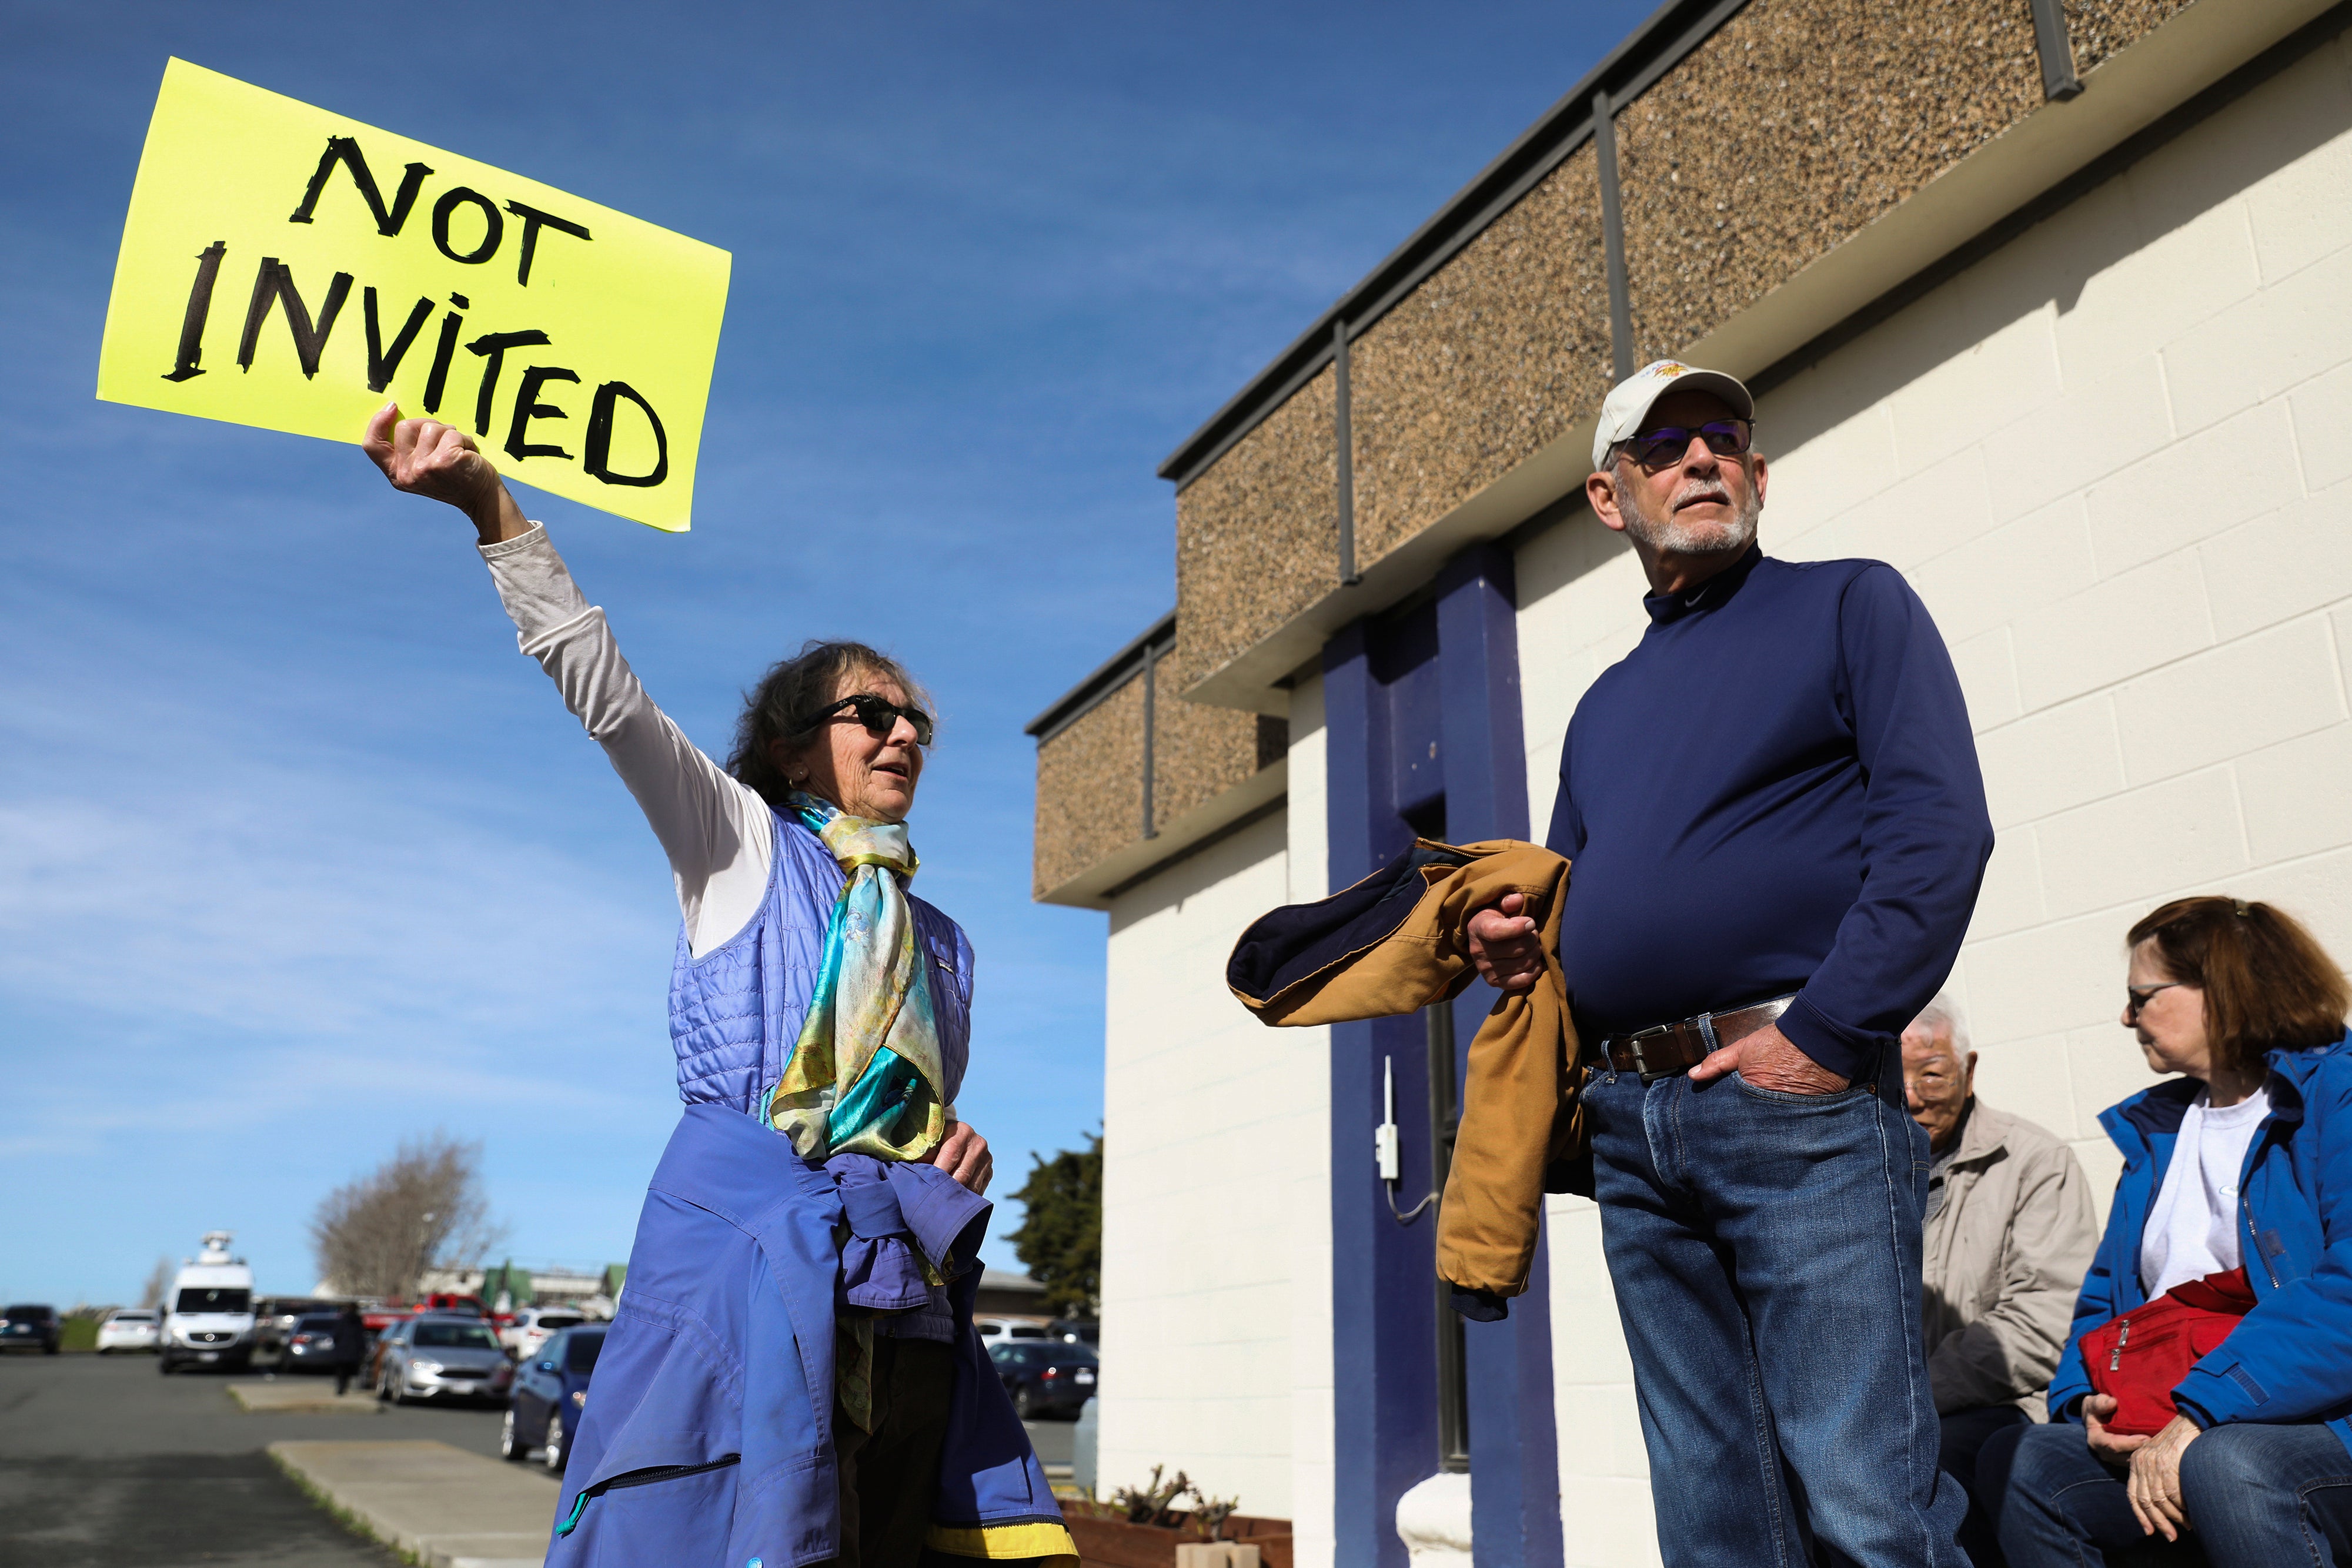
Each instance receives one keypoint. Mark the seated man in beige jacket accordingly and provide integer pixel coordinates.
(2009, 1232)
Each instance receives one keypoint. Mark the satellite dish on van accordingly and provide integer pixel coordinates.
(215, 1248)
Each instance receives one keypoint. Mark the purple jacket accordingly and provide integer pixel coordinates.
(708, 1437)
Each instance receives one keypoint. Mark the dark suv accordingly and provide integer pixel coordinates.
(27, 1327)
(1053, 1379)
(311, 1344)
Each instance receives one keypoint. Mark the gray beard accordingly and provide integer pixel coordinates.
(1672, 536)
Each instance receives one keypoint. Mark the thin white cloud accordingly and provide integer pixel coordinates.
(256, 941)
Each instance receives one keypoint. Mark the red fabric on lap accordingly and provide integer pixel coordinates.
(2140, 1357)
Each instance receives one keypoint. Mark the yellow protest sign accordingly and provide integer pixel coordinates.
(290, 268)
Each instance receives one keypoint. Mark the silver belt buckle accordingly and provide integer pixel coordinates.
(1633, 1044)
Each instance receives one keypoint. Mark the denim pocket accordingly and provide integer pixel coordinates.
(1783, 1097)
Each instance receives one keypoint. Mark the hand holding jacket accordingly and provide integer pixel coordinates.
(1402, 939)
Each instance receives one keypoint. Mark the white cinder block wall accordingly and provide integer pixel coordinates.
(1215, 1150)
(2116, 460)
(1312, 1484)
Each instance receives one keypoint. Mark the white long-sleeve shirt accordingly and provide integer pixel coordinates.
(719, 835)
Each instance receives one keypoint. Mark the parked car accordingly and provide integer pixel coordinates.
(311, 1347)
(1084, 1331)
(1001, 1330)
(129, 1328)
(274, 1318)
(1046, 1379)
(550, 1389)
(30, 1327)
(532, 1325)
(440, 1357)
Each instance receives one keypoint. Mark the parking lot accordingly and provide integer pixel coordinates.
(104, 1464)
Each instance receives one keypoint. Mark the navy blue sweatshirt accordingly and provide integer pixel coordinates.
(1776, 791)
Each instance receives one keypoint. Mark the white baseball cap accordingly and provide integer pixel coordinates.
(1628, 403)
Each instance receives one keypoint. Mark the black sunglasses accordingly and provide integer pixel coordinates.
(1664, 447)
(879, 718)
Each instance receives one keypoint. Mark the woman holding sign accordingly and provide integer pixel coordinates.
(791, 1374)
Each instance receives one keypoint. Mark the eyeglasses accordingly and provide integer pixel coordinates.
(879, 716)
(1664, 447)
(2139, 997)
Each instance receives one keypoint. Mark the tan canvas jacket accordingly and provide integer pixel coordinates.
(2004, 1261)
(1398, 941)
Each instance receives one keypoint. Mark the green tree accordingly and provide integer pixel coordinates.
(1060, 1239)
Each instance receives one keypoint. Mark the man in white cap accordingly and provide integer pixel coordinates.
(1778, 829)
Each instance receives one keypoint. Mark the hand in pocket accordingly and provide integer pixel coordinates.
(1767, 1060)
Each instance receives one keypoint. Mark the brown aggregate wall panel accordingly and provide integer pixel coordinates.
(1257, 536)
(1792, 127)
(2103, 27)
(1090, 789)
(1489, 360)
(1197, 755)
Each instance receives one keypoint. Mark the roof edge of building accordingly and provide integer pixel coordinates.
(2196, 63)
(1669, 33)
(1103, 680)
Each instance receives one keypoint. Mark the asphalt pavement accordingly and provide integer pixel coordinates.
(103, 1462)
(1052, 1439)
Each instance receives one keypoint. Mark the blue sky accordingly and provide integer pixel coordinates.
(298, 856)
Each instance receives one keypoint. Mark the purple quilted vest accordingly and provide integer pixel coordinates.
(735, 1013)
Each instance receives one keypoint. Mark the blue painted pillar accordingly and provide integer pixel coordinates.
(1384, 1309)
(1478, 649)
(1422, 710)
(1513, 1447)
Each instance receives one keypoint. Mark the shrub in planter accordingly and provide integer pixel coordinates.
(1141, 1527)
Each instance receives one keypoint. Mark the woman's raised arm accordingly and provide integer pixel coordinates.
(719, 835)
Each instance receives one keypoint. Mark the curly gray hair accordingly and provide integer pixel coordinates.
(790, 696)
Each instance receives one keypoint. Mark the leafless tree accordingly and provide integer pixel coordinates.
(159, 1279)
(422, 1209)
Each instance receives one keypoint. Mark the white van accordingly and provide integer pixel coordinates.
(208, 1315)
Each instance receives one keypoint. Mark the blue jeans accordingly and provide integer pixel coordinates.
(1765, 1250)
(2258, 1497)
(1966, 1432)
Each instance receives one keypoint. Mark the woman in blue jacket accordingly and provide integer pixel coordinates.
(791, 1376)
(2243, 1160)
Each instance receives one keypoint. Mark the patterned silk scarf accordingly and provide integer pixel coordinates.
(865, 1076)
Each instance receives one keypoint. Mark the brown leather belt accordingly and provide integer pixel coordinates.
(1670, 1048)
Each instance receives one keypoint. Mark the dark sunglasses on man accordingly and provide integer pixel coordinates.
(879, 716)
(1664, 447)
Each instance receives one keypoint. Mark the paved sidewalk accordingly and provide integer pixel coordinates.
(306, 1397)
(449, 1508)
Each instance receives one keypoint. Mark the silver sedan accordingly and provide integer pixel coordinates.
(441, 1358)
